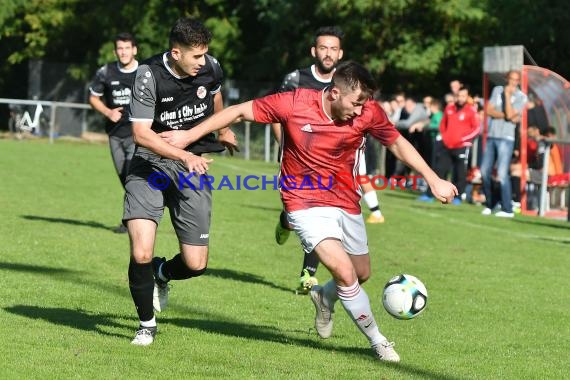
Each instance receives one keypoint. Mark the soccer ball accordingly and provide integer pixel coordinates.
(404, 296)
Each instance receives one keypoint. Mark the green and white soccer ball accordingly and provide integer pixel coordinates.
(405, 296)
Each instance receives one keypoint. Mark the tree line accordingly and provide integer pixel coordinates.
(409, 45)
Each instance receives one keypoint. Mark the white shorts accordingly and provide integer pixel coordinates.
(315, 224)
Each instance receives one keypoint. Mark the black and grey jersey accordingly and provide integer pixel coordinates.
(113, 84)
(303, 78)
(177, 103)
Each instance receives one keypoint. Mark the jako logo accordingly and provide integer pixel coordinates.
(204, 236)
(169, 99)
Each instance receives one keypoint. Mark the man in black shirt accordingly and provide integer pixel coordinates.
(326, 51)
(175, 90)
(110, 93)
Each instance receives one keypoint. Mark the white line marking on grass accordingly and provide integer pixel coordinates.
(504, 231)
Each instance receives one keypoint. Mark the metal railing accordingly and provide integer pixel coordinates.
(53, 109)
(268, 146)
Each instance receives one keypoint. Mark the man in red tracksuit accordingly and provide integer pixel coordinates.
(458, 127)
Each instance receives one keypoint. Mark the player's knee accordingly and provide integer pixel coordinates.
(363, 274)
(141, 257)
(363, 277)
(345, 278)
(189, 272)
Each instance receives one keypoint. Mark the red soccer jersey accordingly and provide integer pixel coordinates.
(318, 152)
(459, 127)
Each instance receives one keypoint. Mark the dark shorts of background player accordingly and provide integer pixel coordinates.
(190, 209)
(122, 150)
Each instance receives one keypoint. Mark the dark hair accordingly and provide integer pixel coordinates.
(351, 76)
(189, 33)
(550, 130)
(464, 87)
(334, 31)
(126, 37)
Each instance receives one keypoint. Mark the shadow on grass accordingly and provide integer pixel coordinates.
(79, 319)
(73, 222)
(551, 240)
(229, 274)
(77, 277)
(33, 268)
(271, 334)
(70, 276)
(538, 222)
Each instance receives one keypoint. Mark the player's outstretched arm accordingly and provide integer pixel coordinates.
(443, 190)
(277, 132)
(226, 136)
(143, 135)
(217, 121)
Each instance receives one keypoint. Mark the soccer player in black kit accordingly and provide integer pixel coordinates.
(175, 90)
(110, 93)
(327, 52)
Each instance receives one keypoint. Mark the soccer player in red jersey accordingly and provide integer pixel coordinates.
(323, 134)
(327, 52)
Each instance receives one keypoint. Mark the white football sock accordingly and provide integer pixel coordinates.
(371, 199)
(356, 303)
(151, 323)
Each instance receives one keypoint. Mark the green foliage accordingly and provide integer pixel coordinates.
(408, 44)
(33, 22)
(413, 38)
(540, 25)
(226, 33)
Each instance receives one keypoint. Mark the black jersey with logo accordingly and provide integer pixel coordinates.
(177, 103)
(303, 78)
(114, 85)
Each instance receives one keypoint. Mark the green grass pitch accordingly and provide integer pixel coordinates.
(498, 289)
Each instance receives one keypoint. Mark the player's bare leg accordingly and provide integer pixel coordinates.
(352, 297)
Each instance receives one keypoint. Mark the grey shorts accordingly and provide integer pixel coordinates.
(122, 150)
(153, 183)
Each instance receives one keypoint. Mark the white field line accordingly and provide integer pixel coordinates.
(503, 231)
